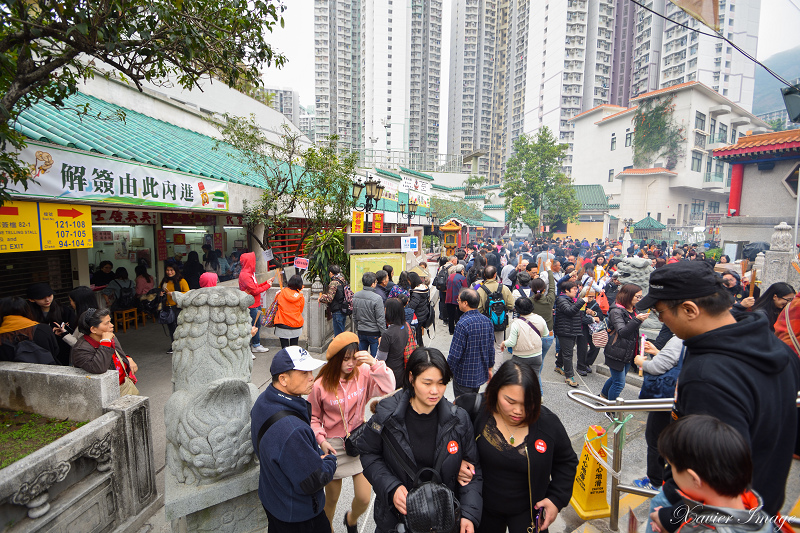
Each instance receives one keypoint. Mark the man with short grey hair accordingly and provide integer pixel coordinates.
(369, 315)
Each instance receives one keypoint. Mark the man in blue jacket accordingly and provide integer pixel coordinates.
(294, 471)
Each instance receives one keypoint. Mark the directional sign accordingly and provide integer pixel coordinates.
(65, 226)
(409, 244)
(19, 227)
(32, 226)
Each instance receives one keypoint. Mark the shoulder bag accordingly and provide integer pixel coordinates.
(599, 333)
(663, 385)
(350, 438)
(411, 345)
(268, 320)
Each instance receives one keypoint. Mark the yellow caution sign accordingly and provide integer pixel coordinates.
(589, 490)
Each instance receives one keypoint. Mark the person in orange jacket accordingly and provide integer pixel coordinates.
(289, 316)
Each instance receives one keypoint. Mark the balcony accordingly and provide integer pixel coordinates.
(717, 140)
(714, 180)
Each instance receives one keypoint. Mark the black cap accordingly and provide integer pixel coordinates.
(681, 281)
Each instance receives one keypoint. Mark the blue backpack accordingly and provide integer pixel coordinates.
(495, 308)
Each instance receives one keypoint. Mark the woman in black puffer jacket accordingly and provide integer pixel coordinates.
(419, 301)
(568, 328)
(623, 339)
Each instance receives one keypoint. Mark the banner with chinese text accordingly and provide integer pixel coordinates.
(377, 222)
(72, 175)
(420, 199)
(358, 222)
(390, 189)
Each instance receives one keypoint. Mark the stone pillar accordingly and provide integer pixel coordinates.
(777, 260)
(212, 475)
(735, 200)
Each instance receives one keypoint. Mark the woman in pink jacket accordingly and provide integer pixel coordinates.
(338, 401)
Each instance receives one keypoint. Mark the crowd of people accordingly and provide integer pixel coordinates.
(730, 361)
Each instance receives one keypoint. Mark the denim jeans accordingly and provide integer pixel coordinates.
(547, 342)
(614, 385)
(659, 500)
(368, 342)
(339, 321)
(256, 340)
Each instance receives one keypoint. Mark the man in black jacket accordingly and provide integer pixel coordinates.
(734, 369)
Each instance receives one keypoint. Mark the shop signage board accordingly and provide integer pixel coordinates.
(161, 244)
(124, 216)
(414, 185)
(420, 199)
(218, 241)
(390, 187)
(409, 244)
(377, 223)
(360, 263)
(36, 226)
(72, 175)
(358, 222)
(301, 262)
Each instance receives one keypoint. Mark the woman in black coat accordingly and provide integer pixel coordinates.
(623, 338)
(568, 328)
(192, 270)
(425, 430)
(419, 301)
(526, 457)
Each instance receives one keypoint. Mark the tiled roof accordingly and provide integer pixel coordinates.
(609, 106)
(387, 174)
(613, 206)
(645, 171)
(139, 138)
(649, 223)
(475, 197)
(591, 197)
(492, 186)
(665, 90)
(615, 115)
(416, 173)
(440, 187)
(494, 206)
(780, 141)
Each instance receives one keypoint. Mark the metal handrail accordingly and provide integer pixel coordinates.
(621, 405)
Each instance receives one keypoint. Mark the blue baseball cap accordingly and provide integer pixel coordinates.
(293, 358)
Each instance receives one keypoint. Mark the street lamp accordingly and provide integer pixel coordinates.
(433, 220)
(374, 194)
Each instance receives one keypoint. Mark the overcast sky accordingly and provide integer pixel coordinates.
(778, 31)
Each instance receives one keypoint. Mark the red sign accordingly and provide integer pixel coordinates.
(218, 241)
(540, 446)
(452, 447)
(301, 262)
(161, 244)
(231, 220)
(179, 238)
(103, 236)
(377, 223)
(127, 217)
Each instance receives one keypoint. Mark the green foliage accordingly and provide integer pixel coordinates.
(464, 211)
(777, 124)
(536, 191)
(23, 433)
(473, 184)
(656, 134)
(323, 249)
(313, 183)
(47, 47)
(714, 253)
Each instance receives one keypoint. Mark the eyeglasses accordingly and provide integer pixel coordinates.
(786, 299)
(637, 297)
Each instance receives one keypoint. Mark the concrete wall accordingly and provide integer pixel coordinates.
(763, 191)
(586, 230)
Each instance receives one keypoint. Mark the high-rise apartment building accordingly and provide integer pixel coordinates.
(671, 53)
(544, 65)
(378, 67)
(307, 121)
(285, 101)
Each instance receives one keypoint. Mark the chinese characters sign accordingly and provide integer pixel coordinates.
(123, 216)
(390, 187)
(414, 185)
(358, 222)
(80, 176)
(377, 223)
(420, 199)
(32, 226)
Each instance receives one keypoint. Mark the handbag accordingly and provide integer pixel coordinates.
(268, 319)
(431, 507)
(602, 301)
(599, 333)
(663, 385)
(411, 345)
(350, 438)
(166, 315)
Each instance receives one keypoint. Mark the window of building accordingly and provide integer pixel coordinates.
(700, 121)
(613, 141)
(697, 161)
(611, 176)
(712, 126)
(698, 205)
(791, 181)
(733, 135)
(723, 132)
(709, 162)
(629, 138)
(713, 207)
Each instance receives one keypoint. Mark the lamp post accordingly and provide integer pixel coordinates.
(433, 220)
(412, 210)
(374, 194)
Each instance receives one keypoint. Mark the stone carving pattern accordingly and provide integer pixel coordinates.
(636, 270)
(45, 480)
(783, 239)
(208, 415)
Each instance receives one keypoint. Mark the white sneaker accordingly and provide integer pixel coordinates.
(254, 355)
(259, 349)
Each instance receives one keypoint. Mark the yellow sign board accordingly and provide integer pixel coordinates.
(358, 222)
(35, 226)
(65, 226)
(19, 227)
(589, 490)
(360, 263)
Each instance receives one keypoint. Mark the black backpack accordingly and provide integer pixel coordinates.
(126, 300)
(495, 308)
(27, 351)
(440, 281)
